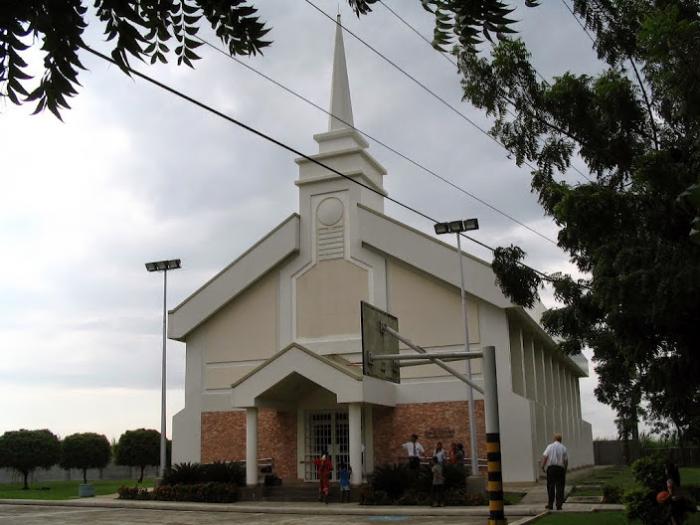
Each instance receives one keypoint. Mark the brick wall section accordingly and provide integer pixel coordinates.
(445, 421)
(223, 433)
(223, 438)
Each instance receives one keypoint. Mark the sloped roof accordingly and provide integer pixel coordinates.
(259, 259)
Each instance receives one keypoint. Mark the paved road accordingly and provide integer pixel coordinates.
(47, 515)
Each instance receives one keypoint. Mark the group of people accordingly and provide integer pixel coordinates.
(324, 468)
(415, 452)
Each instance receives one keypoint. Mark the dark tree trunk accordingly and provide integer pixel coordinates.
(141, 476)
(26, 485)
(85, 476)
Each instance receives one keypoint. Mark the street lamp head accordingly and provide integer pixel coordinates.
(161, 266)
(456, 226)
(466, 225)
(442, 228)
(471, 224)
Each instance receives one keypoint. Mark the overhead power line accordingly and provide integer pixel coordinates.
(291, 149)
(380, 142)
(454, 63)
(581, 24)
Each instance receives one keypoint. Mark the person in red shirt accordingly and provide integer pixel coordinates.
(324, 467)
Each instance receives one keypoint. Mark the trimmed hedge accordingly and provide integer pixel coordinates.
(201, 492)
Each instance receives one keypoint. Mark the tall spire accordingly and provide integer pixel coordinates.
(341, 106)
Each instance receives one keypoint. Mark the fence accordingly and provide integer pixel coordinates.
(612, 452)
(56, 473)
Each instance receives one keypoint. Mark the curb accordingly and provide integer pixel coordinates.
(325, 510)
(530, 519)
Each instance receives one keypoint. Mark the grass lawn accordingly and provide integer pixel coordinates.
(512, 498)
(596, 518)
(622, 477)
(52, 490)
(690, 475)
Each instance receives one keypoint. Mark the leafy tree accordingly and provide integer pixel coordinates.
(84, 451)
(139, 448)
(148, 29)
(632, 228)
(27, 450)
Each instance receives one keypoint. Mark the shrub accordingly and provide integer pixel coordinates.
(183, 474)
(640, 504)
(201, 492)
(650, 472)
(195, 473)
(394, 480)
(612, 493)
(220, 472)
(133, 493)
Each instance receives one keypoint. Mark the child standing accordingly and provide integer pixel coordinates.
(438, 483)
(344, 479)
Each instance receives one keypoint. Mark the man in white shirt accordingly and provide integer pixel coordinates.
(555, 461)
(414, 450)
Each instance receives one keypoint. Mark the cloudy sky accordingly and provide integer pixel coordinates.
(135, 174)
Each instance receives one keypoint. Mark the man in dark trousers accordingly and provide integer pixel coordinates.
(555, 461)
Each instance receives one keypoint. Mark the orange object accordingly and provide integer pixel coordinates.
(662, 497)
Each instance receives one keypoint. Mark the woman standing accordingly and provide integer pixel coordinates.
(324, 467)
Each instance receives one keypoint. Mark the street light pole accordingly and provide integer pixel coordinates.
(163, 266)
(457, 227)
(470, 390)
(163, 442)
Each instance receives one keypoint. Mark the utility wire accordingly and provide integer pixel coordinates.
(378, 141)
(415, 80)
(291, 149)
(581, 24)
(454, 63)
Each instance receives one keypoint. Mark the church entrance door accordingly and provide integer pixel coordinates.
(326, 430)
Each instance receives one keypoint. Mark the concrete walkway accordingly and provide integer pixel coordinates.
(353, 509)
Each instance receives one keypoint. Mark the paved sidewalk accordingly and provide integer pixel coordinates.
(352, 509)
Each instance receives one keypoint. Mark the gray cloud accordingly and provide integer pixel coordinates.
(136, 174)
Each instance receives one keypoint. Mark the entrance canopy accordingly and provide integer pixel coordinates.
(282, 379)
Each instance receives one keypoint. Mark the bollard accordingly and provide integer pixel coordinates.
(493, 439)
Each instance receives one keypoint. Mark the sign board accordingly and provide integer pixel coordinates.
(377, 342)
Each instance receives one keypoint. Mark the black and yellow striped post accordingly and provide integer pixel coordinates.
(493, 439)
(495, 479)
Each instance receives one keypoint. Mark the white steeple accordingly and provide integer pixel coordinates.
(344, 150)
(341, 106)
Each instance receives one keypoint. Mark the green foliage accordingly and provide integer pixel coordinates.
(518, 282)
(640, 504)
(195, 473)
(139, 448)
(27, 450)
(200, 492)
(153, 30)
(84, 451)
(399, 483)
(632, 227)
(61, 490)
(612, 493)
(137, 493)
(650, 472)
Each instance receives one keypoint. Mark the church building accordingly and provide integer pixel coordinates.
(274, 350)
